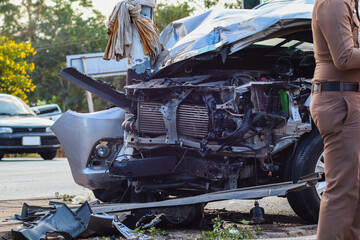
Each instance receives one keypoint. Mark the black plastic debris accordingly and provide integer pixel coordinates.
(63, 221)
(101, 225)
(257, 214)
(30, 213)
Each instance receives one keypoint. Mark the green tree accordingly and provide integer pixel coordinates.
(166, 13)
(15, 69)
(207, 4)
(55, 28)
(9, 15)
(64, 31)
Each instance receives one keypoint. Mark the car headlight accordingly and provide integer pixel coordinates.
(5, 130)
(48, 130)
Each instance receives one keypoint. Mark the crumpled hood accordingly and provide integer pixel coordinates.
(217, 28)
(24, 122)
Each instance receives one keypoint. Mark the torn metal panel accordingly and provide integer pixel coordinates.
(278, 189)
(211, 31)
(127, 232)
(100, 88)
(64, 221)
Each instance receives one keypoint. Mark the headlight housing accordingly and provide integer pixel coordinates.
(48, 130)
(6, 130)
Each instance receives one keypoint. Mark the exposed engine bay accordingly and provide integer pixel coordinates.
(224, 130)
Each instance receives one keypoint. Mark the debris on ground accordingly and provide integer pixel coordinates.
(100, 225)
(62, 221)
(88, 196)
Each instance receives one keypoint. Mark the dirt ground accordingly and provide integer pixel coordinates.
(277, 226)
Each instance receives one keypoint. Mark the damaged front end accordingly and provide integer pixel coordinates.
(223, 109)
(204, 134)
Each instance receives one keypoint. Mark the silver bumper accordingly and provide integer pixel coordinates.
(78, 133)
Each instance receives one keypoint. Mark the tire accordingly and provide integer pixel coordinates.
(1, 155)
(308, 158)
(49, 155)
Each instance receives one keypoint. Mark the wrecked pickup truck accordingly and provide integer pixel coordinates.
(225, 106)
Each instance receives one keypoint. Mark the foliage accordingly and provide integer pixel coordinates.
(236, 5)
(210, 3)
(207, 4)
(153, 232)
(166, 13)
(15, 69)
(231, 232)
(65, 197)
(9, 13)
(56, 28)
(64, 31)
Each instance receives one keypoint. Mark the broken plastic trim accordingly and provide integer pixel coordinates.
(100, 88)
(63, 221)
(278, 189)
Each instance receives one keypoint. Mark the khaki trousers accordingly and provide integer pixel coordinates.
(337, 116)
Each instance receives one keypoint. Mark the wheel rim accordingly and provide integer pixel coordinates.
(320, 168)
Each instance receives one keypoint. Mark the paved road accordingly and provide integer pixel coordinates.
(22, 178)
(35, 178)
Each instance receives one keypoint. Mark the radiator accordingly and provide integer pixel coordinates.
(191, 120)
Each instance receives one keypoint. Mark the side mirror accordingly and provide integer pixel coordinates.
(36, 111)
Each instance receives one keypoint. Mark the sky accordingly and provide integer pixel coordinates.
(105, 6)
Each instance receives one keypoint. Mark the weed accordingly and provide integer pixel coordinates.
(232, 231)
(65, 197)
(153, 232)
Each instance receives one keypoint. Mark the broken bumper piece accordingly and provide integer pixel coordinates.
(64, 222)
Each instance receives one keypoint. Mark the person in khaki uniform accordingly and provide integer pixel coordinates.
(335, 108)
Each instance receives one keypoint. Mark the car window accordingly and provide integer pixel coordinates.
(13, 106)
(283, 43)
(48, 109)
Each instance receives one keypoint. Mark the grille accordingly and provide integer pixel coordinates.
(27, 130)
(192, 120)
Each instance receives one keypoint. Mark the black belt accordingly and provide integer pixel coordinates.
(335, 86)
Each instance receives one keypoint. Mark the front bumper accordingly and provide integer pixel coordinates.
(79, 133)
(12, 143)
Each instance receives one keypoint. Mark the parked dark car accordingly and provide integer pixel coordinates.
(22, 131)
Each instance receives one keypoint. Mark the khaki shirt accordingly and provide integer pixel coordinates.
(335, 26)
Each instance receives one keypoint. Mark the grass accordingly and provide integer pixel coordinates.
(244, 231)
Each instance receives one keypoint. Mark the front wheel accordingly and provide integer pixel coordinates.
(48, 155)
(308, 158)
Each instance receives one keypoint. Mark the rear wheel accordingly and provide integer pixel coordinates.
(308, 158)
(48, 155)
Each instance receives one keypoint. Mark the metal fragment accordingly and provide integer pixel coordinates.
(64, 221)
(127, 232)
